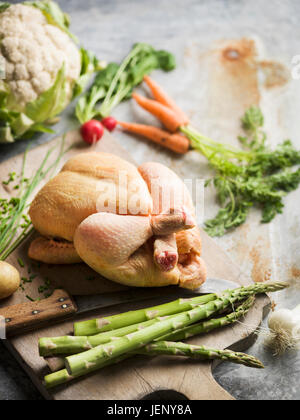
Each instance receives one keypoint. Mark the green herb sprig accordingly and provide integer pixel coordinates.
(15, 225)
(254, 176)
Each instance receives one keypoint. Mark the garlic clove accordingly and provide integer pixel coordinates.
(281, 320)
(296, 332)
(296, 313)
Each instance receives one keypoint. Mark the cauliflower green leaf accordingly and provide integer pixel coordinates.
(24, 124)
(51, 102)
(54, 15)
(4, 92)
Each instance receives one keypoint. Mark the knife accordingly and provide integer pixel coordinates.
(61, 306)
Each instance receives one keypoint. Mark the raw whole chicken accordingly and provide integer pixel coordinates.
(135, 226)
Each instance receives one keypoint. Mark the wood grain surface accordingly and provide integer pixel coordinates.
(31, 315)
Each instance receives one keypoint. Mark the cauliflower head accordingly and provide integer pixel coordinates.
(43, 67)
(34, 51)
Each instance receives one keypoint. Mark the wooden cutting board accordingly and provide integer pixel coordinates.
(141, 377)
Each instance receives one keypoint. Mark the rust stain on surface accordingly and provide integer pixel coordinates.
(273, 305)
(240, 248)
(240, 50)
(231, 54)
(275, 73)
(235, 74)
(295, 272)
(261, 269)
(233, 84)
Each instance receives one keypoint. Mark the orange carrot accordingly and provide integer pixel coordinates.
(161, 96)
(175, 142)
(168, 117)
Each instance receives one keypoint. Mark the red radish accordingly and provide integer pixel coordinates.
(109, 123)
(92, 131)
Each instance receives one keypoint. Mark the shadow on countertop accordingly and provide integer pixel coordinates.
(15, 384)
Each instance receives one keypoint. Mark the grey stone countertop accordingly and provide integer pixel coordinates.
(109, 28)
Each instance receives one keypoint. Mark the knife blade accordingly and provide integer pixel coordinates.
(90, 303)
(61, 306)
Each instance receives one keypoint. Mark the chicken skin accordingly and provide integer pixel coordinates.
(133, 226)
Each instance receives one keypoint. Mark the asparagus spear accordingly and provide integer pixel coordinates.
(98, 356)
(114, 322)
(210, 324)
(199, 352)
(96, 326)
(62, 376)
(64, 347)
(164, 348)
(52, 346)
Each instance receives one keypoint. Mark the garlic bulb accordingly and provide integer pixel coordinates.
(284, 325)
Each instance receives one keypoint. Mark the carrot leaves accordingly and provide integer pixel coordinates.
(259, 177)
(115, 83)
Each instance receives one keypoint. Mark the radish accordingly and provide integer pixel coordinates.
(109, 123)
(92, 131)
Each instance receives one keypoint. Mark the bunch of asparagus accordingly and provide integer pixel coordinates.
(152, 331)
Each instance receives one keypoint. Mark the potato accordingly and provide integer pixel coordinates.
(9, 279)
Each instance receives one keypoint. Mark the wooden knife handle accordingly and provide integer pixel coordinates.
(31, 315)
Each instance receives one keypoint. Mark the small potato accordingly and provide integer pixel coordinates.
(9, 279)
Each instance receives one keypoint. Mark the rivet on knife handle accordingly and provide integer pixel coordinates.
(30, 315)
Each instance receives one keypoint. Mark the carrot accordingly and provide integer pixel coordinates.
(175, 142)
(168, 117)
(161, 96)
